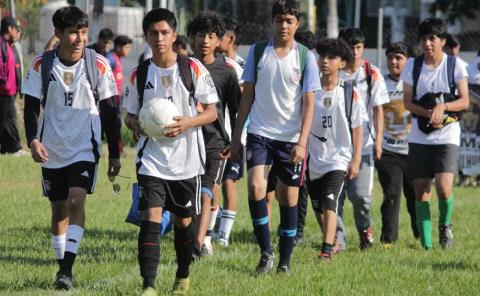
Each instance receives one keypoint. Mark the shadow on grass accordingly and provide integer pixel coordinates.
(445, 266)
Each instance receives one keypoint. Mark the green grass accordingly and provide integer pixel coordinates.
(107, 265)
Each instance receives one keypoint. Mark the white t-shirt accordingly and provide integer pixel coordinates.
(182, 157)
(397, 120)
(69, 127)
(434, 80)
(276, 109)
(329, 143)
(474, 71)
(379, 96)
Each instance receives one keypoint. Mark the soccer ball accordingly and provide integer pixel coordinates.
(155, 115)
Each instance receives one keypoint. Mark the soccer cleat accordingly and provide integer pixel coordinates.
(445, 236)
(63, 282)
(387, 246)
(366, 238)
(207, 249)
(283, 269)
(181, 286)
(266, 263)
(324, 256)
(222, 242)
(149, 291)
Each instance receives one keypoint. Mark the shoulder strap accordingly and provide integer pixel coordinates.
(417, 69)
(348, 96)
(47, 64)
(186, 74)
(142, 71)
(4, 49)
(451, 60)
(303, 54)
(90, 57)
(258, 53)
(367, 68)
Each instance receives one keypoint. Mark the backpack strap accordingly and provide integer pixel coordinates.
(183, 63)
(451, 61)
(303, 54)
(417, 68)
(142, 71)
(90, 57)
(258, 53)
(367, 68)
(4, 49)
(47, 64)
(348, 96)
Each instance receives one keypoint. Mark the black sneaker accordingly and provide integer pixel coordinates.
(445, 236)
(283, 269)
(366, 238)
(63, 282)
(266, 263)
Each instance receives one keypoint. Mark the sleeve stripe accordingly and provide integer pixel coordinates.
(197, 67)
(36, 63)
(133, 76)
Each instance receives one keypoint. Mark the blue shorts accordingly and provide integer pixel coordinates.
(233, 171)
(265, 151)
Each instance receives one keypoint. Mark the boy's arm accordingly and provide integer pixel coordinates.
(299, 150)
(378, 125)
(458, 105)
(234, 96)
(410, 105)
(110, 124)
(243, 111)
(30, 115)
(208, 115)
(357, 142)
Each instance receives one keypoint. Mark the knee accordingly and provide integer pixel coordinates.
(444, 191)
(257, 190)
(76, 204)
(152, 214)
(182, 223)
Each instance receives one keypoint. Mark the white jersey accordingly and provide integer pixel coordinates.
(379, 96)
(397, 119)
(474, 71)
(69, 126)
(182, 157)
(276, 109)
(434, 80)
(329, 143)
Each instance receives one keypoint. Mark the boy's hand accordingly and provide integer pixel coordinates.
(225, 154)
(353, 169)
(114, 166)
(298, 153)
(39, 153)
(236, 151)
(183, 123)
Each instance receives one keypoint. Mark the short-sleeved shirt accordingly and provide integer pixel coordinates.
(474, 71)
(434, 80)
(397, 119)
(183, 156)
(69, 127)
(277, 107)
(330, 144)
(378, 96)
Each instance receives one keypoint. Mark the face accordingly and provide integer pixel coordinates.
(160, 36)
(226, 42)
(357, 51)
(104, 44)
(13, 33)
(432, 44)
(395, 63)
(204, 44)
(73, 39)
(330, 64)
(124, 51)
(284, 27)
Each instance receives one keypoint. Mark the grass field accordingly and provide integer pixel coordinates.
(107, 265)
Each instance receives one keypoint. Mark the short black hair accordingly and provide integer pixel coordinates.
(157, 15)
(122, 40)
(181, 41)
(281, 7)
(69, 16)
(452, 41)
(352, 36)
(206, 22)
(433, 26)
(401, 48)
(306, 38)
(8, 22)
(106, 33)
(334, 47)
(231, 25)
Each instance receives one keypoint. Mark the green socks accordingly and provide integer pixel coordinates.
(424, 223)
(445, 209)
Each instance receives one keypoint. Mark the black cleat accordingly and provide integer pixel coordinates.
(266, 263)
(283, 269)
(63, 282)
(445, 236)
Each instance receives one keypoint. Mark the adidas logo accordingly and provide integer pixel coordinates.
(149, 85)
(52, 78)
(189, 204)
(331, 196)
(85, 174)
(296, 176)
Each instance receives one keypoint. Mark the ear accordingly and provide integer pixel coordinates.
(175, 34)
(233, 38)
(58, 33)
(343, 64)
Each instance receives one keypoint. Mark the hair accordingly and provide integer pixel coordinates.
(69, 16)
(306, 38)
(401, 48)
(452, 41)
(157, 15)
(106, 33)
(334, 48)
(8, 22)
(433, 26)
(231, 25)
(281, 7)
(122, 40)
(206, 22)
(181, 41)
(352, 36)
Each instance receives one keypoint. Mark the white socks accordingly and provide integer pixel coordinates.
(226, 224)
(58, 245)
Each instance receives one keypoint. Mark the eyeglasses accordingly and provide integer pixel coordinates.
(116, 186)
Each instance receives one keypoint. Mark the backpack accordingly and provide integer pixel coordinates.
(90, 57)
(367, 69)
(348, 96)
(417, 69)
(8, 72)
(302, 56)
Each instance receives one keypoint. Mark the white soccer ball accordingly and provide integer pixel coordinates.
(155, 115)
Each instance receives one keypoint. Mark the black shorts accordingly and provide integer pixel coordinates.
(213, 169)
(56, 182)
(424, 161)
(181, 197)
(325, 190)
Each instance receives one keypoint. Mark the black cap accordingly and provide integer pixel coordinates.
(8, 21)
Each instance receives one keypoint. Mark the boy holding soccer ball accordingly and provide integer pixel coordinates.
(168, 170)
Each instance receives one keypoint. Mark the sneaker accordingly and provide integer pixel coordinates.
(445, 236)
(181, 286)
(298, 241)
(222, 242)
(338, 247)
(20, 153)
(63, 282)
(324, 256)
(149, 291)
(207, 249)
(387, 246)
(283, 269)
(366, 238)
(266, 263)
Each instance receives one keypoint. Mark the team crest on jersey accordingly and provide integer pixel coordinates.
(209, 81)
(166, 81)
(296, 75)
(68, 78)
(327, 102)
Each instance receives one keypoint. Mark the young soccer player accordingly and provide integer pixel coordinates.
(206, 31)
(104, 42)
(433, 141)
(281, 77)
(67, 142)
(392, 165)
(372, 90)
(336, 138)
(168, 170)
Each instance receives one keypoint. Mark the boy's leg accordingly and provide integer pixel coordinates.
(288, 200)
(341, 232)
(409, 193)
(422, 209)
(302, 213)
(444, 184)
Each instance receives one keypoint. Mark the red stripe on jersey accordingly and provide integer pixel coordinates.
(101, 64)
(374, 74)
(198, 69)
(356, 97)
(133, 76)
(36, 63)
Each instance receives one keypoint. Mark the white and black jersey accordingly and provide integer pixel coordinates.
(69, 126)
(181, 157)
